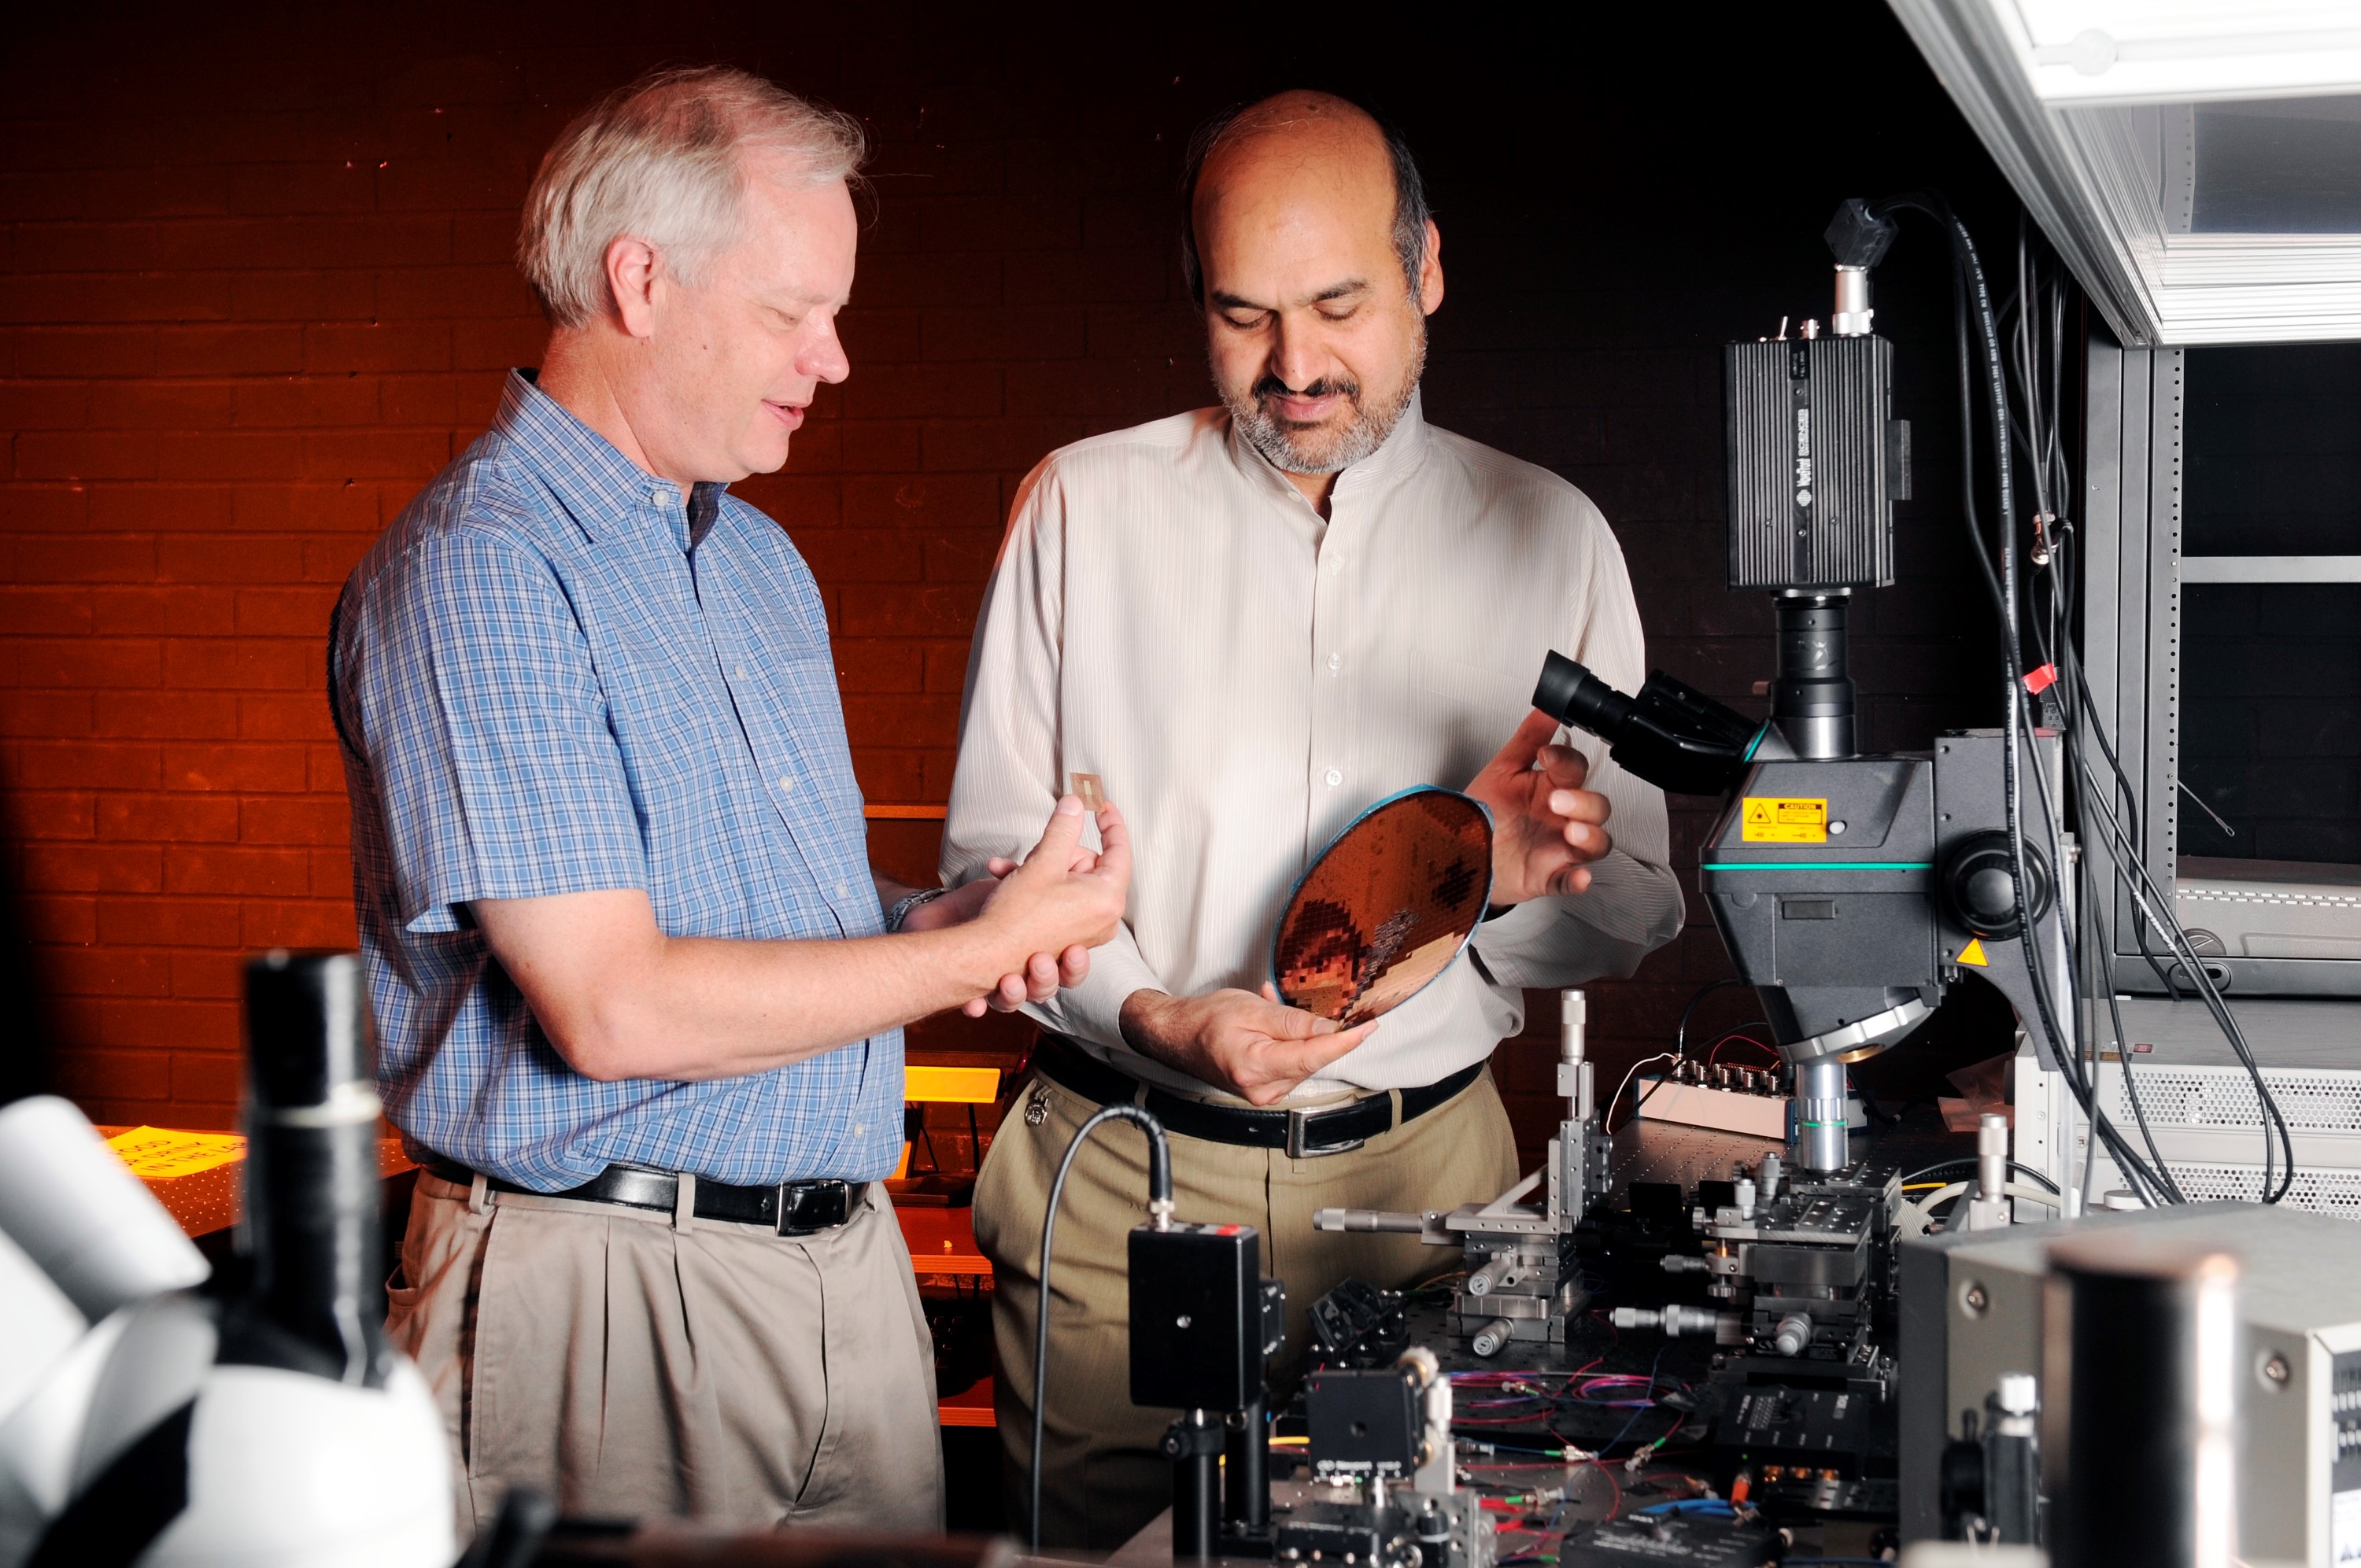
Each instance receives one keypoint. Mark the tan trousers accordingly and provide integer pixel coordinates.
(634, 1364)
(1104, 1479)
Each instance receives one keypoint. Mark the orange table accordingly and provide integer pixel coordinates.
(943, 1241)
(206, 1200)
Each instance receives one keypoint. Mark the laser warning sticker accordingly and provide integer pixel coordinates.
(1973, 953)
(1780, 819)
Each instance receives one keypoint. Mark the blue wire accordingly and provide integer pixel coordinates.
(1643, 1409)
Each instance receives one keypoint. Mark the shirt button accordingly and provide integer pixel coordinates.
(787, 784)
(742, 672)
(841, 891)
(1336, 663)
(1334, 778)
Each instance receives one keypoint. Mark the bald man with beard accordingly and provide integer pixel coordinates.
(1252, 623)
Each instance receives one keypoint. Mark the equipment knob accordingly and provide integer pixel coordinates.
(1978, 891)
(1989, 895)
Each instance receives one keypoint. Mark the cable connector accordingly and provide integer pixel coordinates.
(1857, 237)
(2038, 551)
(1642, 1454)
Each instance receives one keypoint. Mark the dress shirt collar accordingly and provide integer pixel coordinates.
(1395, 459)
(604, 491)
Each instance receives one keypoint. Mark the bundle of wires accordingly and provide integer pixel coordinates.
(2105, 808)
(1734, 1035)
(1527, 1399)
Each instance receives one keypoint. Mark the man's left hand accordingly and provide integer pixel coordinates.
(1546, 828)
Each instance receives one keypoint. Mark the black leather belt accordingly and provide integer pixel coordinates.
(1304, 1135)
(792, 1208)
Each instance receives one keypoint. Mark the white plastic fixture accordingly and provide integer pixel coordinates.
(2197, 165)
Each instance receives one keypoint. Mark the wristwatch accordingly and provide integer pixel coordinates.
(909, 901)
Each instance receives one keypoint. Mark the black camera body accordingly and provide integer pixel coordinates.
(1817, 461)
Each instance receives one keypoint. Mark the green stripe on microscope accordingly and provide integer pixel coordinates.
(1818, 866)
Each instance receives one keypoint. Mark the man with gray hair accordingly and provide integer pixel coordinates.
(638, 994)
(1252, 623)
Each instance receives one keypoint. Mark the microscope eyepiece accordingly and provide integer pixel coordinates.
(1672, 735)
(1571, 694)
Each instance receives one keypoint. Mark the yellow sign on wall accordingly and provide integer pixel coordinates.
(1784, 819)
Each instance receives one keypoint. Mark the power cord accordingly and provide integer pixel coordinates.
(1160, 1208)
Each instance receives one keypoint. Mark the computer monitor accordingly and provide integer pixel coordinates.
(2222, 538)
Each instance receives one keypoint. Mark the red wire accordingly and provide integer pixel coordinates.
(1740, 1040)
(1616, 1506)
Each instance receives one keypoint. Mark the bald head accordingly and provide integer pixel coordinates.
(1308, 137)
(1310, 250)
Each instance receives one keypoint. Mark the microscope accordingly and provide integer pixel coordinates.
(1850, 890)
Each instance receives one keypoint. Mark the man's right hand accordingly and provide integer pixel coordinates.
(1048, 912)
(1255, 1046)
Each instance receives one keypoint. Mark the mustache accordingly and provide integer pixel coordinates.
(1326, 386)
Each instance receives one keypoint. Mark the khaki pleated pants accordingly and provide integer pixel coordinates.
(1104, 1479)
(636, 1364)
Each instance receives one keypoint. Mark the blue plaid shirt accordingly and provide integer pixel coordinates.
(553, 675)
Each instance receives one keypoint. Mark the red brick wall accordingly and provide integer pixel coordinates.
(258, 290)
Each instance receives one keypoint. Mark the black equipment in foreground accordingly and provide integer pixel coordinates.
(1204, 1323)
(1382, 1436)
(311, 1175)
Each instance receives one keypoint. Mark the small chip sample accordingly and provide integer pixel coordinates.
(1090, 791)
(1385, 908)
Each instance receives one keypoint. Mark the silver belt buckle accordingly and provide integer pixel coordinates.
(1299, 1143)
(821, 1190)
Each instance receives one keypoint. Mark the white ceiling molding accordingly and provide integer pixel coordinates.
(2197, 165)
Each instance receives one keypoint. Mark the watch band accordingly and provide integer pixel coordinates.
(909, 901)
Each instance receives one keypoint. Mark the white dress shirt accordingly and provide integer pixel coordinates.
(1171, 614)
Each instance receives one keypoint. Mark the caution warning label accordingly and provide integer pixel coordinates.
(1973, 953)
(1780, 819)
